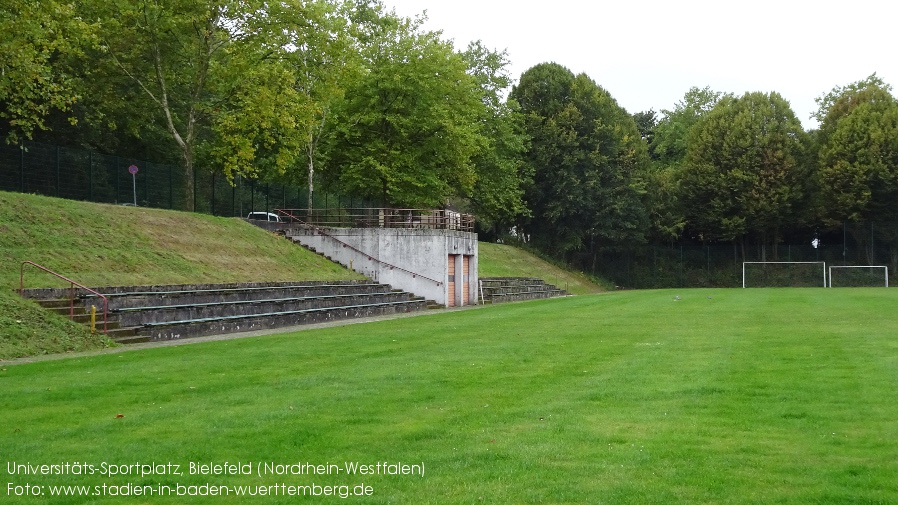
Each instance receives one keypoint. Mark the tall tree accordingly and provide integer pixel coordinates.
(742, 174)
(668, 145)
(588, 161)
(215, 71)
(858, 156)
(407, 130)
(497, 195)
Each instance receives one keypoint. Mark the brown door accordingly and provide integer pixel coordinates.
(451, 301)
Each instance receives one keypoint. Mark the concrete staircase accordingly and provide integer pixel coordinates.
(155, 313)
(513, 289)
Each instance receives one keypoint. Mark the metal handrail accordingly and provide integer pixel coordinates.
(286, 213)
(71, 290)
(438, 219)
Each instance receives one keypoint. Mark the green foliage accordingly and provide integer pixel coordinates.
(742, 174)
(588, 161)
(39, 43)
(858, 152)
(671, 134)
(407, 130)
(497, 195)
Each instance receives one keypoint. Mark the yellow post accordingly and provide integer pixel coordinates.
(93, 319)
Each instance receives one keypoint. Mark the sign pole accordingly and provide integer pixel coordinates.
(133, 170)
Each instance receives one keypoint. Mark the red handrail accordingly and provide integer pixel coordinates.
(71, 290)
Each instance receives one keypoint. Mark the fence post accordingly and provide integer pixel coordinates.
(57, 172)
(213, 193)
(22, 167)
(90, 175)
(117, 179)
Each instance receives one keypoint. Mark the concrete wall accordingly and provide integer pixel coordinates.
(415, 260)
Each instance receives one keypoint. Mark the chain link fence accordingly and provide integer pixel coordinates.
(721, 265)
(79, 174)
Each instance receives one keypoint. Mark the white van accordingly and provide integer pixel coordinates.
(263, 216)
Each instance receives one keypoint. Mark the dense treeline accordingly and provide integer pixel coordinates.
(348, 95)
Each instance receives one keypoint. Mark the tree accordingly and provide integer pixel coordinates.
(408, 127)
(216, 72)
(497, 195)
(588, 161)
(326, 60)
(668, 143)
(645, 123)
(858, 156)
(742, 174)
(39, 42)
(670, 138)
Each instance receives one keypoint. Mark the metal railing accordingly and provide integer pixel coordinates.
(71, 290)
(285, 214)
(434, 219)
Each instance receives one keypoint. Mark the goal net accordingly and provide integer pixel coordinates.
(783, 274)
(858, 276)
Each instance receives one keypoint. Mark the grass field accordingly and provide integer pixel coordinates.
(759, 396)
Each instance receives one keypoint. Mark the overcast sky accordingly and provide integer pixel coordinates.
(648, 53)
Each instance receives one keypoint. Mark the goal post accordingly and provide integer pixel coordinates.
(867, 275)
(813, 276)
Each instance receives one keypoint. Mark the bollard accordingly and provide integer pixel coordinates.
(93, 319)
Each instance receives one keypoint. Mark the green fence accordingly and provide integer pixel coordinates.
(721, 265)
(79, 174)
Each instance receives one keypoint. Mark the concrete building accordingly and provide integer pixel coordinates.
(434, 256)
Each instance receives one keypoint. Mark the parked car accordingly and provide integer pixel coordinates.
(263, 216)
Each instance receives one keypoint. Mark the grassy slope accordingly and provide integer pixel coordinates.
(100, 245)
(750, 397)
(498, 260)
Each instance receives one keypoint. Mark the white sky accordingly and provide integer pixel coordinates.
(648, 53)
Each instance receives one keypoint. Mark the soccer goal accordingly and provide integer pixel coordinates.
(760, 274)
(859, 276)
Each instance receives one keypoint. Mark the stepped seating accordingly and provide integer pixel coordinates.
(513, 289)
(154, 313)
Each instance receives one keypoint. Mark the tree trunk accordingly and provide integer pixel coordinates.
(310, 152)
(189, 182)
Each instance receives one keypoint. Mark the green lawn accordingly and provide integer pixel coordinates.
(723, 396)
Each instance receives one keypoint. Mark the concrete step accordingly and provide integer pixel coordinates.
(174, 330)
(148, 315)
(142, 314)
(508, 289)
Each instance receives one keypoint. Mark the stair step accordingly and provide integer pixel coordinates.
(172, 312)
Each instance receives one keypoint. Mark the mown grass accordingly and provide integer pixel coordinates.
(500, 260)
(98, 245)
(723, 396)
